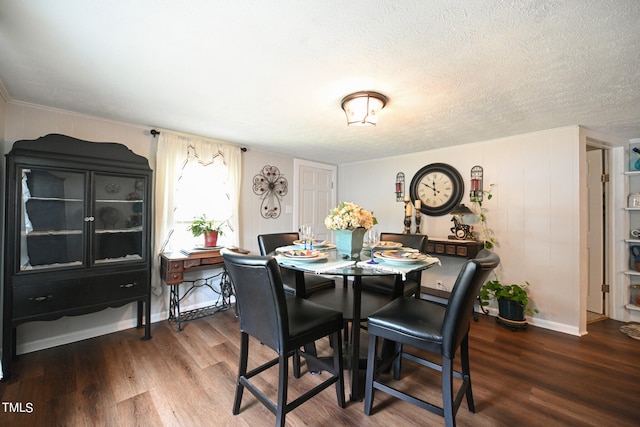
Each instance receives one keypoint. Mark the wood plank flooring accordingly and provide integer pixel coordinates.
(532, 377)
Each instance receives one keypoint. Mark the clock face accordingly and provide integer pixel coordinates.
(439, 187)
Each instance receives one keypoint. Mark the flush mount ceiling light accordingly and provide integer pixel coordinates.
(362, 108)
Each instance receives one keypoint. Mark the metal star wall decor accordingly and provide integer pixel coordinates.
(271, 187)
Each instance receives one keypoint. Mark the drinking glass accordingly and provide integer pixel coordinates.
(304, 229)
(373, 238)
(311, 234)
(307, 234)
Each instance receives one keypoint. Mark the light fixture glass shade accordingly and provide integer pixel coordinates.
(363, 108)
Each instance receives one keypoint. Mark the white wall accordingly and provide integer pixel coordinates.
(534, 212)
(252, 222)
(3, 112)
(26, 121)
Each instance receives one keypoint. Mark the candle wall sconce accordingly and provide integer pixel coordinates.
(400, 187)
(476, 183)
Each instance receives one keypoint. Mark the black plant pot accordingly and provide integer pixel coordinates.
(511, 314)
(510, 310)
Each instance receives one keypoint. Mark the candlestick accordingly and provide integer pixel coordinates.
(418, 205)
(418, 219)
(406, 198)
(407, 225)
(409, 210)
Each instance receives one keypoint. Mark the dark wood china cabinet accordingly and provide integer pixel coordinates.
(77, 233)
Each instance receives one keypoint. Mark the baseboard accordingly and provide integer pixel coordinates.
(97, 331)
(542, 323)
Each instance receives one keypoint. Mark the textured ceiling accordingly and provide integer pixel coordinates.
(270, 75)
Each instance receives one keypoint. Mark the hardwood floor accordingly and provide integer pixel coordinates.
(532, 377)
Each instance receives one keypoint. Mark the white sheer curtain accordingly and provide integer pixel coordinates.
(203, 165)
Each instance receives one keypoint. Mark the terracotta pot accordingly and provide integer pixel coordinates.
(210, 239)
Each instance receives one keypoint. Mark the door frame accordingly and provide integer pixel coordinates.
(601, 216)
(613, 165)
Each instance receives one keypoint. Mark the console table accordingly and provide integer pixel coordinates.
(173, 265)
(455, 248)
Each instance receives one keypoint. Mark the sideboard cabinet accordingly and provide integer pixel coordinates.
(77, 233)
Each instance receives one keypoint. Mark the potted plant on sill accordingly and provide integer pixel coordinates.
(211, 230)
(513, 302)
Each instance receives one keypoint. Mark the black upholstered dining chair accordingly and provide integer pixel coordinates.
(432, 327)
(284, 325)
(268, 243)
(385, 284)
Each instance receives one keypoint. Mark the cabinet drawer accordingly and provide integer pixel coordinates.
(76, 294)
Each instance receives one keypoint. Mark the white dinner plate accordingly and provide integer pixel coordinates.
(300, 253)
(317, 243)
(386, 245)
(318, 256)
(402, 256)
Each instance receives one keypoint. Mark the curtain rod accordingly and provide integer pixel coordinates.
(155, 133)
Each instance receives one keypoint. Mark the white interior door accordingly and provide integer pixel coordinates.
(595, 297)
(316, 194)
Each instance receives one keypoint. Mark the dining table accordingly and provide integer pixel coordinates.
(355, 304)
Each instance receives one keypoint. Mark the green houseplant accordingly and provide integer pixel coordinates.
(207, 227)
(513, 301)
(485, 234)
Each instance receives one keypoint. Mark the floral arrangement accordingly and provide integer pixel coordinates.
(349, 216)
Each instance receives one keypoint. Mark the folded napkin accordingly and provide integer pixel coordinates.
(400, 269)
(382, 267)
(331, 266)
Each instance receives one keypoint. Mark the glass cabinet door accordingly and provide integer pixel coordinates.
(118, 218)
(51, 218)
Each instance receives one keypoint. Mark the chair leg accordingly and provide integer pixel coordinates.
(335, 340)
(397, 363)
(447, 392)
(345, 329)
(242, 371)
(281, 411)
(296, 363)
(371, 369)
(466, 371)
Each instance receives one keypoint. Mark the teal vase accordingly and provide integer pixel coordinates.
(349, 242)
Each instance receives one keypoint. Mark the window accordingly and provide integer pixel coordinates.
(194, 177)
(202, 188)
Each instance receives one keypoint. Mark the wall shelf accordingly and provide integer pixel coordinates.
(632, 223)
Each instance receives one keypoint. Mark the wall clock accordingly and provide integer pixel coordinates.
(439, 187)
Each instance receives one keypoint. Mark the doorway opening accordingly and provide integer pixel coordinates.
(597, 307)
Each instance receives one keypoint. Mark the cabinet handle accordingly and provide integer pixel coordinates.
(128, 285)
(41, 298)
(88, 218)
